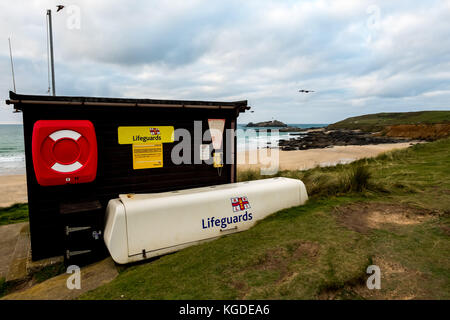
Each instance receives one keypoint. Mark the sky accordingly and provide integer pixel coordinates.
(359, 57)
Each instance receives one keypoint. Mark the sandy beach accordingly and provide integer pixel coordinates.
(307, 159)
(13, 187)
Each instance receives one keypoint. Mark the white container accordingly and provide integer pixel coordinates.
(141, 226)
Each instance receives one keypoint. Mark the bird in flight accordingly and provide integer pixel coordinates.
(59, 7)
(305, 91)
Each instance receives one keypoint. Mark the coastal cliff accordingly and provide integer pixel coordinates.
(375, 129)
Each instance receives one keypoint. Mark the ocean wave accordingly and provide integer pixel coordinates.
(253, 142)
(12, 158)
(7, 149)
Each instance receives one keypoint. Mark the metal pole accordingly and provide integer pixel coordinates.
(12, 65)
(49, 13)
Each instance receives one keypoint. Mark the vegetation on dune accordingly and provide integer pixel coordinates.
(392, 211)
(378, 121)
(323, 182)
(14, 214)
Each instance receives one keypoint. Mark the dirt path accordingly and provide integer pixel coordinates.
(8, 239)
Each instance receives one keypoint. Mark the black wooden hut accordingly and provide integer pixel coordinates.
(67, 219)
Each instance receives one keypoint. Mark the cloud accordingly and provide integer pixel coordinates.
(359, 56)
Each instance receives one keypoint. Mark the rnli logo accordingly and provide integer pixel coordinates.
(154, 131)
(240, 204)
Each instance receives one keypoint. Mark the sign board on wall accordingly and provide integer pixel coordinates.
(145, 135)
(205, 152)
(147, 156)
(216, 127)
(147, 143)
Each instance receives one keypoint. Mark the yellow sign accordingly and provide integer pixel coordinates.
(218, 163)
(145, 135)
(147, 156)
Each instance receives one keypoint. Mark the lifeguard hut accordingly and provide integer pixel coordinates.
(81, 152)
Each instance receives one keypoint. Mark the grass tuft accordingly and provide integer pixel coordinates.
(3, 287)
(14, 214)
(249, 175)
(49, 272)
(322, 182)
(359, 178)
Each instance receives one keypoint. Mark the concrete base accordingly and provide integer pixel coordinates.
(15, 254)
(18, 269)
(92, 276)
(18, 266)
(9, 236)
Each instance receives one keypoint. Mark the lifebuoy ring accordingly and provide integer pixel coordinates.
(64, 151)
(66, 146)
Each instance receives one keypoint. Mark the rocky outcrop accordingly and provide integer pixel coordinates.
(273, 123)
(322, 139)
(296, 129)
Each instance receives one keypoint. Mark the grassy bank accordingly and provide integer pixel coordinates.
(378, 121)
(14, 214)
(392, 211)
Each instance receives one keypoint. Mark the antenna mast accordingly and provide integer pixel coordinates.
(52, 65)
(12, 65)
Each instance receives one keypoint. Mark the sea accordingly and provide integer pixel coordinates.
(256, 138)
(12, 156)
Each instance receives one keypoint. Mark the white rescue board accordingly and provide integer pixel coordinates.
(141, 226)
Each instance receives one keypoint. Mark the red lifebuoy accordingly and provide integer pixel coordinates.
(64, 151)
